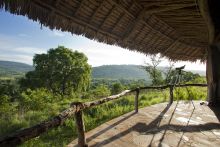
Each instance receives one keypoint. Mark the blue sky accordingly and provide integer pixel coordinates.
(21, 38)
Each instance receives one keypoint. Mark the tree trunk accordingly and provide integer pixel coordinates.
(213, 75)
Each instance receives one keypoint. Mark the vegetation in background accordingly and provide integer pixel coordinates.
(26, 102)
(154, 72)
(60, 70)
(169, 75)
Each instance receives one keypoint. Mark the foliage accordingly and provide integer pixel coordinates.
(27, 106)
(151, 68)
(60, 70)
(41, 104)
(117, 88)
(168, 72)
(36, 99)
(101, 91)
(9, 88)
(187, 77)
(169, 75)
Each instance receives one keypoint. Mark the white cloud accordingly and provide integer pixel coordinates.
(17, 58)
(28, 50)
(58, 33)
(102, 54)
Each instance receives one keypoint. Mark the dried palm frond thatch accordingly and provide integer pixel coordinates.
(174, 28)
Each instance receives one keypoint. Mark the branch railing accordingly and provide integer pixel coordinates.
(76, 109)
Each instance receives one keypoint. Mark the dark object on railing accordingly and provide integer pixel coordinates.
(180, 68)
(76, 109)
(136, 100)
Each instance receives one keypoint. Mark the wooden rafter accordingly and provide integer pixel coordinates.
(96, 11)
(171, 46)
(79, 7)
(160, 9)
(133, 25)
(120, 19)
(108, 16)
(55, 6)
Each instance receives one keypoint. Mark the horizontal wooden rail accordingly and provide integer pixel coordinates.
(196, 85)
(75, 109)
(167, 86)
(34, 131)
(81, 106)
(29, 133)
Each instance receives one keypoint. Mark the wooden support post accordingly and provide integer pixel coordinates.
(81, 129)
(171, 94)
(136, 100)
(213, 75)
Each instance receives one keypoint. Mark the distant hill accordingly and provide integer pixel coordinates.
(120, 72)
(126, 72)
(8, 68)
(200, 72)
(131, 72)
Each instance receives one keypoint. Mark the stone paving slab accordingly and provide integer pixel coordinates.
(160, 125)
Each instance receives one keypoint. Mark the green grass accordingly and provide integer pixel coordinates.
(92, 117)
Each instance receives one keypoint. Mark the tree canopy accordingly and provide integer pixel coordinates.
(60, 70)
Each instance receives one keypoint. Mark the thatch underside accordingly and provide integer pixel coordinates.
(174, 28)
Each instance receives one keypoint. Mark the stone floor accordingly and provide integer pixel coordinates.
(181, 124)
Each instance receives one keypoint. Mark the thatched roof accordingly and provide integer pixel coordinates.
(174, 28)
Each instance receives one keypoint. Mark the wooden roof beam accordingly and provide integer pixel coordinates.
(79, 7)
(55, 6)
(120, 19)
(133, 25)
(107, 17)
(96, 11)
(163, 2)
(171, 46)
(170, 7)
(132, 15)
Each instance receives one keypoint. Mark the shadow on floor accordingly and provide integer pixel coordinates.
(109, 127)
(142, 128)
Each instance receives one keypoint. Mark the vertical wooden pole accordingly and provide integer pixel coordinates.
(171, 94)
(136, 100)
(213, 75)
(81, 129)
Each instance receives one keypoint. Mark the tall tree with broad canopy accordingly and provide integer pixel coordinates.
(61, 70)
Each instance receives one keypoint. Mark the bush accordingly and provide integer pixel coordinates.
(100, 91)
(36, 100)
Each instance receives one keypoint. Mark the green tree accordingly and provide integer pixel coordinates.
(60, 70)
(154, 72)
(168, 73)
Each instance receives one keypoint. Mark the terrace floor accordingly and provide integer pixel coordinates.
(160, 125)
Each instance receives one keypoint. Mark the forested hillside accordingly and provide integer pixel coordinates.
(120, 72)
(115, 72)
(11, 69)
